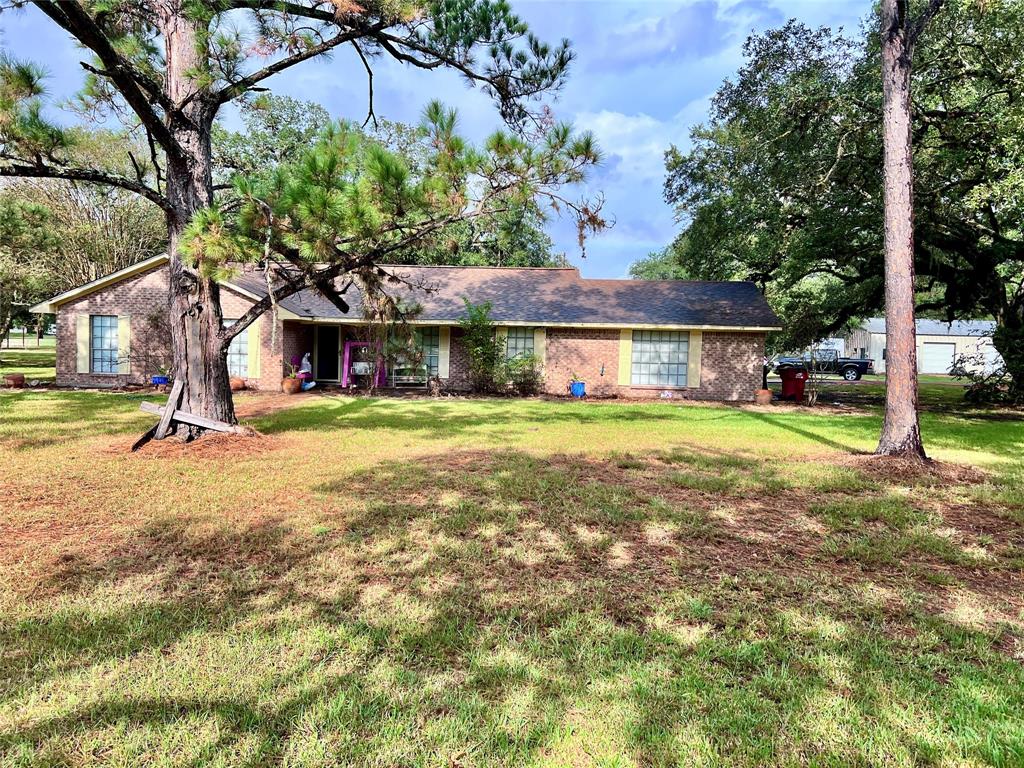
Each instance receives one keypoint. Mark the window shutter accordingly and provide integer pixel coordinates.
(82, 343)
(625, 357)
(693, 361)
(444, 346)
(253, 351)
(540, 345)
(124, 344)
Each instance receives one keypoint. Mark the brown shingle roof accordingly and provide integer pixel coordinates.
(551, 297)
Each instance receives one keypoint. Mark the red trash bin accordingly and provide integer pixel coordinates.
(793, 381)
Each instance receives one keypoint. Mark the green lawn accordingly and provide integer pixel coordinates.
(35, 364)
(28, 341)
(939, 393)
(384, 582)
(935, 392)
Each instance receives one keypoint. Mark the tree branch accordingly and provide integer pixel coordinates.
(291, 286)
(237, 88)
(73, 18)
(369, 77)
(151, 87)
(40, 171)
(322, 280)
(293, 9)
(917, 25)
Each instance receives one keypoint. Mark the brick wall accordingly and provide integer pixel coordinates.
(294, 339)
(730, 365)
(584, 352)
(731, 362)
(458, 363)
(144, 297)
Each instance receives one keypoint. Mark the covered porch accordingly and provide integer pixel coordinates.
(347, 355)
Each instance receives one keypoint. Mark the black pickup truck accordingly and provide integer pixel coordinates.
(828, 361)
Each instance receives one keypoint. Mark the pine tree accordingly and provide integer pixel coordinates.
(169, 66)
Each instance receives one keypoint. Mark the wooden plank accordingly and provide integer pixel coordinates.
(145, 438)
(189, 418)
(173, 401)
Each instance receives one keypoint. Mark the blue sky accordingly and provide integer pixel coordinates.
(644, 74)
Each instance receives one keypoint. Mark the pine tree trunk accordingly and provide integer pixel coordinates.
(901, 432)
(199, 357)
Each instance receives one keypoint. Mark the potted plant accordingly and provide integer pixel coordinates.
(577, 386)
(292, 384)
(161, 378)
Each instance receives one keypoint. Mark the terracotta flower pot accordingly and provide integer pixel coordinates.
(237, 383)
(291, 386)
(763, 396)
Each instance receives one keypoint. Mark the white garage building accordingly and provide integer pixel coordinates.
(938, 343)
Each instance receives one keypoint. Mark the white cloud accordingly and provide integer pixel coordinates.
(635, 144)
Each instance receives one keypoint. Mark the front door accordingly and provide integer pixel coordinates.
(328, 351)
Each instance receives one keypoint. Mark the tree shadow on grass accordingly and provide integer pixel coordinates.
(523, 519)
(500, 609)
(67, 415)
(438, 420)
(784, 424)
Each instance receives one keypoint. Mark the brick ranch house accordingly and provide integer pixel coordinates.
(632, 338)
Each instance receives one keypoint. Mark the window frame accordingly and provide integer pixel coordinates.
(430, 355)
(238, 349)
(670, 350)
(523, 340)
(114, 363)
(426, 340)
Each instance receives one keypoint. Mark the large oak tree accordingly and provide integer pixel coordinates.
(784, 184)
(169, 66)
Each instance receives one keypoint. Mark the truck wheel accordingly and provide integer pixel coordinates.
(851, 374)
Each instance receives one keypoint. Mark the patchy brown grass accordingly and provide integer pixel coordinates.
(485, 584)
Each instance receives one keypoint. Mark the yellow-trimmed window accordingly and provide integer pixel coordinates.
(104, 350)
(238, 352)
(520, 342)
(660, 358)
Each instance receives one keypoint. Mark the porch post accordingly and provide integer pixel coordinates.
(345, 364)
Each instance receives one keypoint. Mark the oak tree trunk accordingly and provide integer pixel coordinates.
(6, 322)
(901, 432)
(1008, 340)
(199, 356)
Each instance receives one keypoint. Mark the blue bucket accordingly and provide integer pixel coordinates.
(578, 388)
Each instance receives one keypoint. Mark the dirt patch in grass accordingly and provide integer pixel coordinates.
(210, 446)
(257, 404)
(907, 471)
